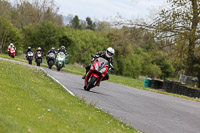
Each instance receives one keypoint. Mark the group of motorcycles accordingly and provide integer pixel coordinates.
(94, 76)
(52, 58)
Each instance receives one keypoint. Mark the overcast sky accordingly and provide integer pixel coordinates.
(108, 9)
(105, 9)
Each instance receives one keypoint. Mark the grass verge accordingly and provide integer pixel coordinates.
(32, 102)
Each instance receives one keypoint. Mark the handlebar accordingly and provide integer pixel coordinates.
(94, 56)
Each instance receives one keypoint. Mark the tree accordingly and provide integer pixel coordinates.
(182, 20)
(45, 35)
(75, 23)
(179, 25)
(8, 34)
(90, 24)
(34, 12)
(5, 8)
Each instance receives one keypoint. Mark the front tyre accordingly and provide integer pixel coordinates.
(30, 62)
(91, 83)
(50, 63)
(58, 68)
(38, 63)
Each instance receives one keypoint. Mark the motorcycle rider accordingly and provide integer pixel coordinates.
(52, 50)
(28, 50)
(62, 49)
(10, 47)
(39, 49)
(106, 55)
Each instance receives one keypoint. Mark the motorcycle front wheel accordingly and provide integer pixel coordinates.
(38, 64)
(50, 64)
(30, 62)
(91, 83)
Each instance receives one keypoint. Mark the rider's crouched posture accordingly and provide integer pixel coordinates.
(106, 55)
(52, 50)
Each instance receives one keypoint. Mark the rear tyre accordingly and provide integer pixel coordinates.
(91, 83)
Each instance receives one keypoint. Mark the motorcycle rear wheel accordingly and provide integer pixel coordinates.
(91, 83)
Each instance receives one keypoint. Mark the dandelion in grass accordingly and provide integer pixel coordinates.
(18, 109)
(89, 118)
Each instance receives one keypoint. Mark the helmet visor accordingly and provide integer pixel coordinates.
(109, 53)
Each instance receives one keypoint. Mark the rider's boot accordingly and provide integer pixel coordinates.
(84, 76)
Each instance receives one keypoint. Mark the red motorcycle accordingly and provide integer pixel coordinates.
(96, 73)
(12, 52)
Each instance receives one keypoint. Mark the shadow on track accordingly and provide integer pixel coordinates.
(94, 92)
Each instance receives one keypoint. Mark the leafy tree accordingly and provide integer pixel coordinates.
(75, 23)
(180, 24)
(34, 12)
(83, 43)
(90, 24)
(8, 34)
(46, 35)
(5, 8)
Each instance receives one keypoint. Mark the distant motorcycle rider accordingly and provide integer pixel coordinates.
(62, 49)
(52, 50)
(28, 50)
(39, 49)
(10, 47)
(106, 55)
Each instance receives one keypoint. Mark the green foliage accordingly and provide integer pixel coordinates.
(83, 43)
(46, 35)
(179, 24)
(90, 24)
(75, 23)
(8, 34)
(165, 65)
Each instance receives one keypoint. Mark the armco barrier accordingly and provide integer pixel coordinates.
(175, 87)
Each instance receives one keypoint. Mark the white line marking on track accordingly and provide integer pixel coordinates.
(58, 82)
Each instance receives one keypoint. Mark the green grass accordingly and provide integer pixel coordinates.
(32, 102)
(137, 83)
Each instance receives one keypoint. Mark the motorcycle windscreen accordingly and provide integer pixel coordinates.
(61, 56)
(51, 55)
(102, 62)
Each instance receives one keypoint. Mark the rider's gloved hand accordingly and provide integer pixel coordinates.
(92, 60)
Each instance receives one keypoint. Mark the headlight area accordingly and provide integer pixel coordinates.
(103, 70)
(96, 67)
